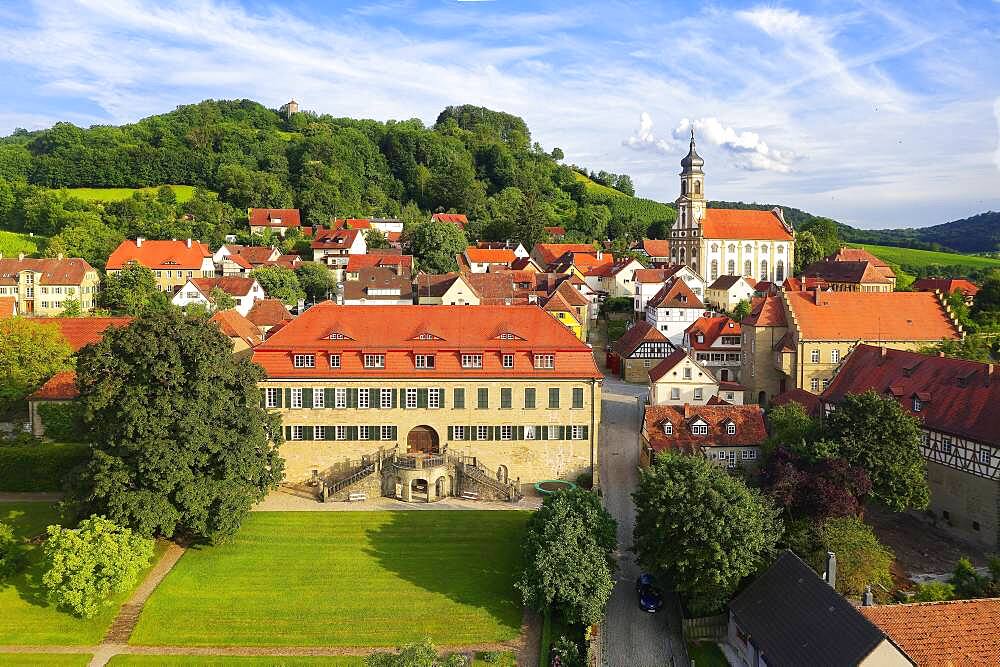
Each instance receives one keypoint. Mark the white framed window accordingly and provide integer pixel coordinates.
(698, 394)
(364, 432)
(458, 432)
(985, 456)
(340, 398)
(529, 432)
(296, 398)
(340, 433)
(751, 454)
(374, 361)
(271, 397)
(545, 361)
(297, 432)
(319, 433)
(472, 361)
(687, 372)
(385, 432)
(385, 398)
(304, 361)
(576, 432)
(834, 356)
(917, 404)
(319, 399)
(334, 361)
(668, 428)
(434, 398)
(699, 429)
(730, 429)
(826, 383)
(508, 361)
(553, 433)
(336, 335)
(814, 384)
(424, 361)
(506, 432)
(506, 336)
(364, 398)
(411, 398)
(675, 394)
(482, 432)
(946, 444)
(814, 355)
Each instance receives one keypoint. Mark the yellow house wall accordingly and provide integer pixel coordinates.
(885, 655)
(170, 280)
(85, 292)
(759, 373)
(804, 370)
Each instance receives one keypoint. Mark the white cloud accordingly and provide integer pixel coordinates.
(746, 148)
(644, 139)
(996, 114)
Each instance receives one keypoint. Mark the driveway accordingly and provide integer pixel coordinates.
(631, 637)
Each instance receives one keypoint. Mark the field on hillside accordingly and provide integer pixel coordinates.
(920, 258)
(183, 192)
(596, 188)
(622, 206)
(12, 243)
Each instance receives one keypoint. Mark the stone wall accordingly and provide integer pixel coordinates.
(964, 504)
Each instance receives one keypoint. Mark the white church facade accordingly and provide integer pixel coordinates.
(717, 241)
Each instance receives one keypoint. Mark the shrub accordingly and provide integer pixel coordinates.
(11, 553)
(63, 421)
(39, 467)
(585, 480)
(415, 655)
(86, 566)
(861, 558)
(566, 653)
(934, 591)
(617, 304)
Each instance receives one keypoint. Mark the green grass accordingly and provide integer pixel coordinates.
(345, 579)
(500, 659)
(55, 659)
(25, 616)
(596, 188)
(909, 257)
(234, 661)
(706, 655)
(12, 243)
(183, 192)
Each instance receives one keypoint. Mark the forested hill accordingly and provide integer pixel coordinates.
(473, 160)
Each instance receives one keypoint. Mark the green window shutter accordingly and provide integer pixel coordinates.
(441, 393)
(519, 433)
(307, 432)
(288, 433)
(562, 432)
(459, 398)
(421, 398)
(352, 397)
(328, 397)
(328, 433)
(542, 432)
(577, 397)
(373, 397)
(483, 398)
(288, 397)
(505, 398)
(529, 398)
(280, 393)
(554, 397)
(352, 432)
(585, 430)
(395, 435)
(262, 398)
(307, 398)
(451, 432)
(397, 400)
(491, 430)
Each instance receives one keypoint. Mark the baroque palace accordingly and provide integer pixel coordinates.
(506, 389)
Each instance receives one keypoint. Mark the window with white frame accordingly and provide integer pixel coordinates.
(506, 336)
(730, 429)
(814, 355)
(745, 454)
(297, 432)
(834, 356)
(985, 456)
(319, 398)
(826, 383)
(946, 444)
(340, 398)
(472, 361)
(506, 432)
(296, 398)
(385, 432)
(545, 361)
(304, 360)
(364, 398)
(751, 454)
(668, 428)
(698, 394)
(699, 429)
(319, 433)
(458, 432)
(814, 384)
(553, 433)
(336, 335)
(687, 372)
(272, 396)
(385, 398)
(917, 404)
(374, 361)
(364, 433)
(334, 361)
(529, 432)
(340, 433)
(424, 361)
(482, 432)
(508, 361)
(576, 432)
(411, 398)
(675, 393)
(434, 398)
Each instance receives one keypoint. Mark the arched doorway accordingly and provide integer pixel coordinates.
(423, 439)
(762, 399)
(724, 375)
(502, 474)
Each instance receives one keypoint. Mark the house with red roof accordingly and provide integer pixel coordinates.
(849, 276)
(480, 260)
(246, 291)
(172, 262)
(334, 246)
(679, 378)
(277, 220)
(547, 253)
(955, 402)
(658, 251)
(556, 233)
(458, 219)
(647, 282)
(966, 288)
(727, 292)
(43, 286)
(716, 343)
(268, 314)
(637, 351)
(243, 333)
(614, 280)
(387, 258)
(507, 385)
(846, 254)
(728, 435)
(673, 309)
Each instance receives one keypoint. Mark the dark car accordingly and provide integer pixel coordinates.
(650, 598)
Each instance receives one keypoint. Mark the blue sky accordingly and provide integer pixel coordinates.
(877, 114)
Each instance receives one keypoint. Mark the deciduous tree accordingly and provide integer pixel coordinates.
(435, 245)
(861, 559)
(280, 283)
(316, 280)
(132, 291)
(30, 353)
(816, 490)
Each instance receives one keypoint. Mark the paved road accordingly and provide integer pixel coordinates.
(632, 638)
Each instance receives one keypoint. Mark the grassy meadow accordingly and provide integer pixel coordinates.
(911, 257)
(183, 192)
(12, 243)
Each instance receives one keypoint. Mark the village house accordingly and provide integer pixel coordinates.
(243, 333)
(614, 280)
(447, 289)
(956, 402)
(268, 314)
(566, 314)
(728, 435)
(727, 292)
(849, 276)
(277, 220)
(679, 379)
(245, 291)
(966, 288)
(333, 246)
(650, 281)
(717, 344)
(517, 248)
(400, 264)
(547, 253)
(658, 252)
(797, 340)
(673, 309)
(845, 254)
(376, 286)
(458, 219)
(239, 260)
(504, 384)
(172, 262)
(637, 351)
(42, 287)
(480, 260)
(556, 234)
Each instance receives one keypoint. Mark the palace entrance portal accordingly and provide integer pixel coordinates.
(422, 440)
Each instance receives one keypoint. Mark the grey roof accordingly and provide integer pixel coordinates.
(795, 618)
(692, 162)
(725, 282)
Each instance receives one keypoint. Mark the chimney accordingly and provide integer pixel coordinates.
(59, 257)
(831, 569)
(600, 255)
(816, 297)
(20, 256)
(138, 241)
(189, 243)
(867, 599)
(883, 351)
(990, 369)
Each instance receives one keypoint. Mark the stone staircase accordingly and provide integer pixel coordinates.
(370, 465)
(472, 470)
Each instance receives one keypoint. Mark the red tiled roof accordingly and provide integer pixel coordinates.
(233, 285)
(373, 278)
(288, 261)
(712, 328)
(80, 331)
(556, 231)
(806, 399)
(664, 367)
(725, 223)
(455, 218)
(59, 387)
(352, 223)
(641, 332)
(943, 634)
(395, 331)
(585, 261)
(492, 288)
(275, 217)
(54, 271)
(334, 238)
(394, 237)
(676, 294)
(871, 316)
(434, 285)
(573, 296)
(846, 272)
(656, 247)
(961, 396)
(749, 421)
(946, 285)
(490, 255)
(657, 275)
(550, 252)
(379, 258)
(234, 325)
(251, 255)
(792, 284)
(268, 312)
(557, 304)
(160, 254)
(8, 306)
(766, 311)
(846, 254)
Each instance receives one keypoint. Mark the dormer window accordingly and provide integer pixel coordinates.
(699, 429)
(545, 361)
(424, 361)
(701, 338)
(917, 404)
(506, 336)
(668, 428)
(730, 429)
(336, 335)
(374, 361)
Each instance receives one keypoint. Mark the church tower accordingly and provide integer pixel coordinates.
(691, 203)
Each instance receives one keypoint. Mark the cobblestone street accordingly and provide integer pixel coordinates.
(631, 637)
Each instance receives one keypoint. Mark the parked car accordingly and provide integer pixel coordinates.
(650, 598)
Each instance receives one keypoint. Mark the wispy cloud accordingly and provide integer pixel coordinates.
(645, 139)
(747, 148)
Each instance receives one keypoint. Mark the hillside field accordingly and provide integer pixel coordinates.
(183, 192)
(909, 257)
(12, 243)
(596, 188)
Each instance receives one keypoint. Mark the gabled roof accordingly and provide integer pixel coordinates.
(956, 632)
(793, 284)
(379, 257)
(268, 313)
(668, 364)
(326, 239)
(352, 223)
(54, 271)
(234, 325)
(372, 278)
(725, 223)
(522, 263)
(676, 294)
(572, 296)
(766, 311)
(232, 285)
(160, 254)
(748, 419)
(59, 387)
(275, 217)
(861, 272)
(946, 285)
(727, 282)
(557, 232)
(846, 254)
(490, 255)
(492, 288)
(459, 219)
(254, 255)
(641, 332)
(961, 397)
(436, 285)
(871, 316)
(656, 247)
(80, 331)
(796, 618)
(550, 252)
(659, 275)
(557, 304)
(711, 328)
(806, 399)
(613, 269)
(288, 261)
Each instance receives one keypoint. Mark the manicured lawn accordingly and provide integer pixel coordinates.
(345, 579)
(183, 192)
(501, 659)
(233, 661)
(54, 659)
(25, 616)
(706, 655)
(918, 258)
(12, 243)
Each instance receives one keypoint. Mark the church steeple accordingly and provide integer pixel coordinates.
(692, 162)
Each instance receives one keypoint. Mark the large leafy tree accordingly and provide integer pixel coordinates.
(280, 283)
(30, 353)
(132, 291)
(701, 529)
(435, 245)
(567, 551)
(181, 443)
(861, 559)
(88, 238)
(873, 432)
(316, 280)
(807, 250)
(814, 490)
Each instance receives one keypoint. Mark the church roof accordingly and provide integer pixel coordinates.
(726, 223)
(692, 162)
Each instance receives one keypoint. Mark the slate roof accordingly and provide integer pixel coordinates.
(641, 332)
(725, 223)
(796, 618)
(871, 316)
(54, 271)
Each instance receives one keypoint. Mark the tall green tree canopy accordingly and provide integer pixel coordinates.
(280, 283)
(316, 280)
(181, 442)
(435, 245)
(31, 352)
(132, 291)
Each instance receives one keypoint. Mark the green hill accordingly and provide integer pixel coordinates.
(13, 243)
(183, 192)
(912, 258)
(596, 189)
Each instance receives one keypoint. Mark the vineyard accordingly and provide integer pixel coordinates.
(624, 207)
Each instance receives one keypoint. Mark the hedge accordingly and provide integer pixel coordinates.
(39, 467)
(63, 421)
